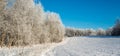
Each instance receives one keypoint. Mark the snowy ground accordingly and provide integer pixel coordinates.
(34, 50)
(86, 46)
(75, 46)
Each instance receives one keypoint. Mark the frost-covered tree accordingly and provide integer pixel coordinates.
(24, 23)
(109, 31)
(55, 27)
(70, 32)
(116, 28)
(91, 32)
(101, 32)
(2, 4)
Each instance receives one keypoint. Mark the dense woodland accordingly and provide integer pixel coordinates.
(26, 23)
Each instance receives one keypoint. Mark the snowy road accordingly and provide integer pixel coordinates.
(83, 46)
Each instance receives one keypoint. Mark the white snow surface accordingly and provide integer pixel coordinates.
(33, 50)
(74, 46)
(86, 46)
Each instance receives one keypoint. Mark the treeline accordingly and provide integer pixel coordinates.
(70, 32)
(113, 31)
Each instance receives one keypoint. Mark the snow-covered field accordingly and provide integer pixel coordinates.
(86, 46)
(75, 46)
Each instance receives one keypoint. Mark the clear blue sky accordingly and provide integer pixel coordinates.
(85, 13)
